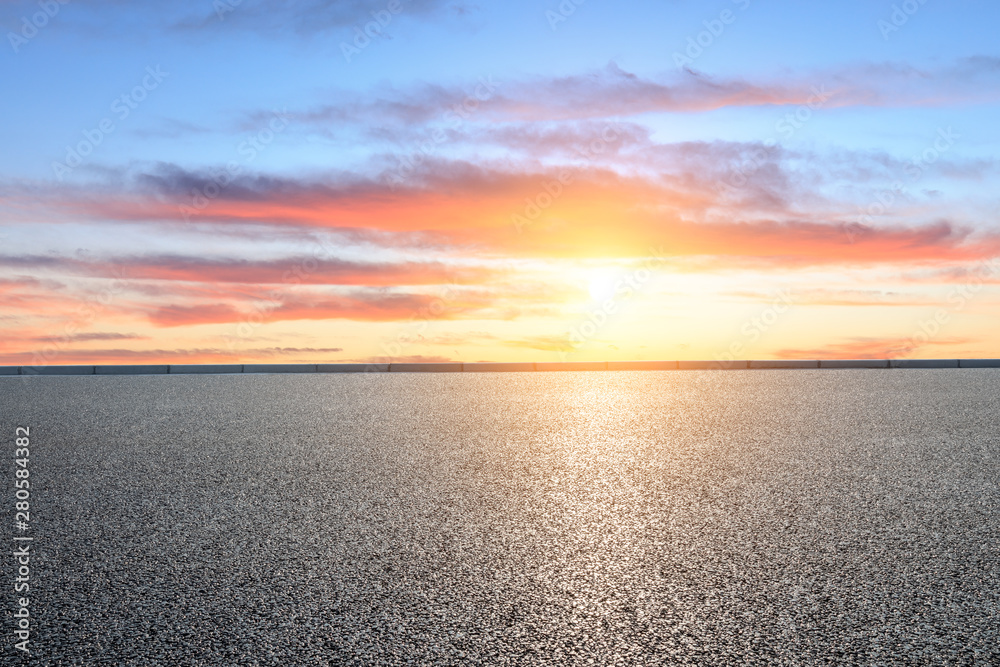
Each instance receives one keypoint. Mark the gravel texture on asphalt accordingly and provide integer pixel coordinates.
(618, 518)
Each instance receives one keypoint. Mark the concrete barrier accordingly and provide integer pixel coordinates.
(132, 370)
(279, 368)
(854, 363)
(784, 363)
(712, 365)
(642, 365)
(426, 368)
(218, 369)
(352, 368)
(486, 367)
(979, 363)
(572, 366)
(57, 370)
(497, 367)
(923, 363)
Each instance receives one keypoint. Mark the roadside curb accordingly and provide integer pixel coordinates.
(500, 367)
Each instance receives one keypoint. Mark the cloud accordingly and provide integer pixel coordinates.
(271, 18)
(69, 357)
(303, 269)
(869, 348)
(405, 359)
(307, 17)
(453, 339)
(852, 298)
(363, 306)
(87, 337)
(981, 273)
(542, 212)
(615, 93)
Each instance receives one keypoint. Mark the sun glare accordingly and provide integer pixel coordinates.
(602, 284)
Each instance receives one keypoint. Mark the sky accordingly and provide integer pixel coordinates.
(279, 181)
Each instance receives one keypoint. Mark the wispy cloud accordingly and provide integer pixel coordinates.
(87, 337)
(265, 18)
(405, 359)
(274, 17)
(176, 356)
(868, 348)
(362, 306)
(304, 269)
(616, 93)
(846, 298)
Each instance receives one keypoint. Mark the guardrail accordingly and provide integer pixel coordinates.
(498, 367)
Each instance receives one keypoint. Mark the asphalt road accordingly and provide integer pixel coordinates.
(618, 518)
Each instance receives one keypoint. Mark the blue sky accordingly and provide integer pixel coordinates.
(65, 79)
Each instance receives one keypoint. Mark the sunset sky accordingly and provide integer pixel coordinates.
(262, 181)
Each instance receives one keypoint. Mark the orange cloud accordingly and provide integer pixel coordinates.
(71, 357)
(370, 307)
(589, 213)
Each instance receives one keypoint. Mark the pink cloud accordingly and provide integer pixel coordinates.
(868, 348)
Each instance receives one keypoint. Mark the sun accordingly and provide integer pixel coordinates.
(602, 283)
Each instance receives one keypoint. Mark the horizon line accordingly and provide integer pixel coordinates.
(498, 367)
